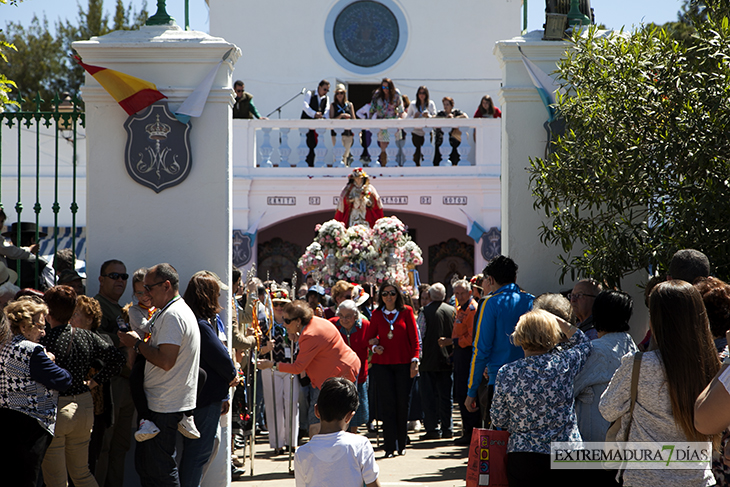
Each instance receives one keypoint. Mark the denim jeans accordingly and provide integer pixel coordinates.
(196, 453)
(154, 459)
(436, 400)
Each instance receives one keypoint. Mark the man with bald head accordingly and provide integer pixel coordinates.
(581, 300)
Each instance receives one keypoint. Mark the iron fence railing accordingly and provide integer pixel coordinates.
(60, 123)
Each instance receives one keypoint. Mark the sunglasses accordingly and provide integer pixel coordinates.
(116, 275)
(388, 293)
(149, 288)
(278, 304)
(289, 320)
(385, 87)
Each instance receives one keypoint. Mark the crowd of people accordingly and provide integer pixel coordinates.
(387, 102)
(332, 363)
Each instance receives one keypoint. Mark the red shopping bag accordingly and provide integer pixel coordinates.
(487, 458)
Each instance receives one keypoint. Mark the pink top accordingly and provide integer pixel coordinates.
(323, 354)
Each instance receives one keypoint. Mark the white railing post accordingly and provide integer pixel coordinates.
(321, 150)
(266, 148)
(284, 149)
(464, 147)
(302, 149)
(408, 149)
(392, 150)
(338, 149)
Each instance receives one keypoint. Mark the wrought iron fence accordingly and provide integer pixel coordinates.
(40, 173)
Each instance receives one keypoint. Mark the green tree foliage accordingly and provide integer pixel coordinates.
(44, 61)
(643, 168)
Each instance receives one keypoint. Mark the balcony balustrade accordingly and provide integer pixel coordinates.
(268, 147)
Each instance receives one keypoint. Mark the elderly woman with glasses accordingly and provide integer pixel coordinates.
(27, 412)
(395, 363)
(354, 328)
(322, 351)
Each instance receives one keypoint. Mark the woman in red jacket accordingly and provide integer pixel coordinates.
(395, 364)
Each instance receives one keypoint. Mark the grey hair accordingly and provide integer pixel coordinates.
(463, 284)
(348, 305)
(556, 304)
(437, 292)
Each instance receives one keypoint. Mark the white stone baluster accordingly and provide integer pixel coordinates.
(321, 150)
(266, 148)
(409, 149)
(427, 148)
(284, 149)
(392, 149)
(356, 150)
(338, 150)
(302, 150)
(465, 146)
(445, 148)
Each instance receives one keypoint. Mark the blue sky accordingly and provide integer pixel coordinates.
(613, 13)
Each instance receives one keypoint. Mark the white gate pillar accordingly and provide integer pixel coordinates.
(188, 225)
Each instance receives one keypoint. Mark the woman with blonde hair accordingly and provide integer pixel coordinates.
(29, 385)
(670, 379)
(533, 396)
(342, 109)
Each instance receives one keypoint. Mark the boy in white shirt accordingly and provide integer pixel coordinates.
(334, 457)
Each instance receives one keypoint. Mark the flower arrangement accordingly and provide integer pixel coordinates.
(312, 258)
(331, 235)
(390, 232)
(361, 254)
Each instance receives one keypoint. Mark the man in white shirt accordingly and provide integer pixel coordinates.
(316, 106)
(171, 373)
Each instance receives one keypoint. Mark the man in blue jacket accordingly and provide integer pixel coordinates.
(496, 318)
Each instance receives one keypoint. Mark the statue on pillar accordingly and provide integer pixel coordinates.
(359, 201)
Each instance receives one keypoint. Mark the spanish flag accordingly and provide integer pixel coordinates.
(132, 94)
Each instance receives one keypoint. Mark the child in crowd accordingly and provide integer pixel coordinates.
(139, 318)
(335, 457)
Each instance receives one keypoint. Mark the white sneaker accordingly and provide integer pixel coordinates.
(186, 426)
(147, 429)
(414, 425)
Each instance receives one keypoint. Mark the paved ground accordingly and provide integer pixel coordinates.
(426, 463)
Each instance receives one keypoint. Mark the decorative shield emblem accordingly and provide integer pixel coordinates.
(491, 243)
(241, 248)
(157, 154)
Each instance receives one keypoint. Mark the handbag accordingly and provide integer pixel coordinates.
(612, 435)
(487, 458)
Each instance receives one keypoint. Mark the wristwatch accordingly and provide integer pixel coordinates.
(136, 345)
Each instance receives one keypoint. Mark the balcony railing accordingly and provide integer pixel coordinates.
(260, 144)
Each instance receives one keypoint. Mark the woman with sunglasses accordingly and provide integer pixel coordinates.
(387, 103)
(343, 110)
(421, 107)
(322, 352)
(395, 364)
(280, 418)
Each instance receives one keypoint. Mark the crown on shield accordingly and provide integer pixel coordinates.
(157, 130)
